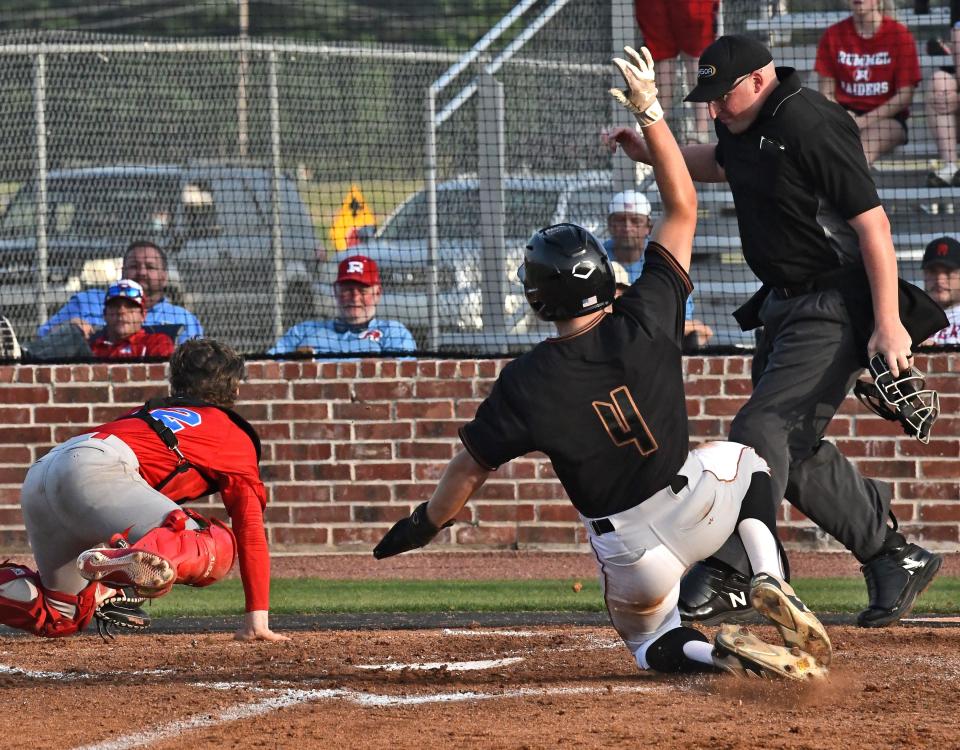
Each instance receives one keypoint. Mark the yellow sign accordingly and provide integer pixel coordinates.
(353, 214)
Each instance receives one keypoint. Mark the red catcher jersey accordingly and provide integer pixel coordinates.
(210, 440)
(868, 72)
(139, 345)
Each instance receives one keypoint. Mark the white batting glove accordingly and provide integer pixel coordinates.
(640, 96)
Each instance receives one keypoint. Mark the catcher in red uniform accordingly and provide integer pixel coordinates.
(103, 514)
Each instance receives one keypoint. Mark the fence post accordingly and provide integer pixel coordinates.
(622, 33)
(243, 11)
(40, 118)
(491, 157)
(433, 234)
(276, 237)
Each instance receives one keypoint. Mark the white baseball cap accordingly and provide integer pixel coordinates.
(629, 202)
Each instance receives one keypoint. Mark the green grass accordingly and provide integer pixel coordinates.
(316, 596)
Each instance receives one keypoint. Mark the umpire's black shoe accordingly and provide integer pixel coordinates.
(895, 578)
(712, 593)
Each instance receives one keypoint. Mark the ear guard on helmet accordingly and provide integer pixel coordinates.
(904, 399)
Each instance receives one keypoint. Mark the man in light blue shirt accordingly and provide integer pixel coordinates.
(146, 264)
(356, 329)
(629, 225)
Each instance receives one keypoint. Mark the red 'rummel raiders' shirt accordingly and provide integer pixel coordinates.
(870, 71)
(212, 441)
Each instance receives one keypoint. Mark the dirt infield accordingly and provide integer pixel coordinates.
(465, 688)
(365, 684)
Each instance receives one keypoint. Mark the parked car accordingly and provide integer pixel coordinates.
(400, 248)
(213, 220)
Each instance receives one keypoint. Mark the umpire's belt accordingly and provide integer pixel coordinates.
(830, 280)
(603, 526)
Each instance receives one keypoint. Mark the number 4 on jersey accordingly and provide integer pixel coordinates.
(623, 422)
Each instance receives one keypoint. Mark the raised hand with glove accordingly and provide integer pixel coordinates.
(640, 96)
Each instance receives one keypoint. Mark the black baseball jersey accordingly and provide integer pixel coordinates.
(797, 174)
(606, 405)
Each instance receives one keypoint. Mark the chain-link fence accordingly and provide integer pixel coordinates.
(259, 145)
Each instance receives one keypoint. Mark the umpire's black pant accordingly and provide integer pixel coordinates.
(807, 361)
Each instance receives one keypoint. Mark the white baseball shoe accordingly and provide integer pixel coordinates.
(737, 651)
(148, 573)
(776, 600)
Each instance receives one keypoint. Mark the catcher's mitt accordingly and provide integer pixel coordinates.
(121, 612)
(904, 399)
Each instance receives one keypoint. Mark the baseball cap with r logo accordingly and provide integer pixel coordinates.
(944, 251)
(360, 269)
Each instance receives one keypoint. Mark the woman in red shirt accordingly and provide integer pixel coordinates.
(123, 337)
(868, 64)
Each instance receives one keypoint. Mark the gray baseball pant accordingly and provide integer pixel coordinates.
(807, 361)
(79, 495)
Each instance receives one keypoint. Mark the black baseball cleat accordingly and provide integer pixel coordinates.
(895, 578)
(712, 593)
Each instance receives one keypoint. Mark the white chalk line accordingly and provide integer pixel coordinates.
(72, 676)
(279, 698)
(290, 698)
(450, 666)
(483, 633)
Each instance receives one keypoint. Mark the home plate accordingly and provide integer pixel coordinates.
(931, 620)
(450, 666)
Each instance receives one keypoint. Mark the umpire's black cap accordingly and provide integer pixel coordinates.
(723, 62)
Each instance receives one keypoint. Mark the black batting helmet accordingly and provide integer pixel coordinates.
(566, 273)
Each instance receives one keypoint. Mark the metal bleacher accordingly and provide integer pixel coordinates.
(917, 213)
(819, 20)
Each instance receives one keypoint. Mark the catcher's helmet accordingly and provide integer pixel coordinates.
(566, 273)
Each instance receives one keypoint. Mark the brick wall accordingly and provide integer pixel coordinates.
(349, 447)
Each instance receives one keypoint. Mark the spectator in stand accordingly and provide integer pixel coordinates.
(146, 264)
(941, 277)
(629, 225)
(943, 108)
(868, 64)
(676, 32)
(356, 329)
(124, 337)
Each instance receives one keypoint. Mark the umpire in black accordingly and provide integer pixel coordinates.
(814, 232)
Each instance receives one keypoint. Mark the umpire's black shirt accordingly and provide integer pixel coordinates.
(797, 174)
(605, 404)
